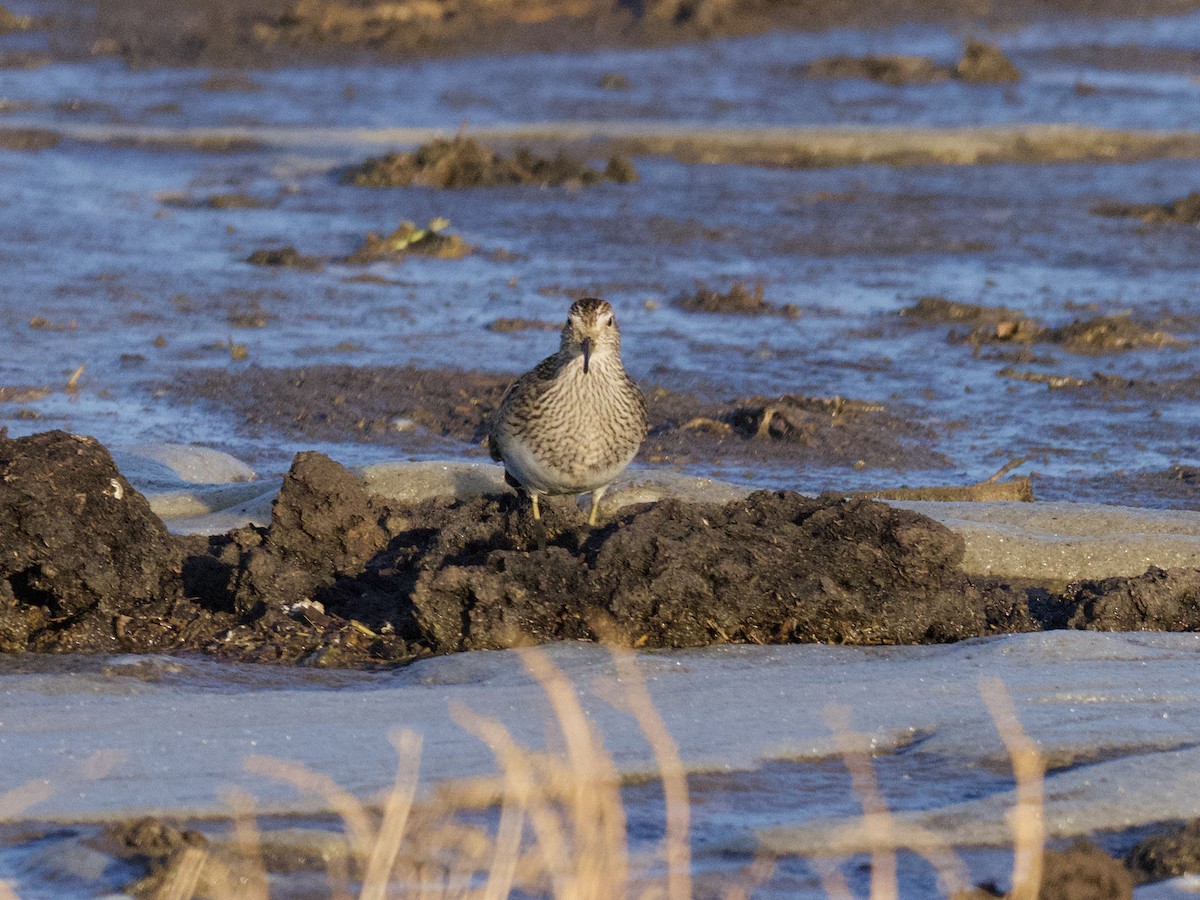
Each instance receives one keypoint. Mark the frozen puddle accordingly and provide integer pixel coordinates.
(183, 727)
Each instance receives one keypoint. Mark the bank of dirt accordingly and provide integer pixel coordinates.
(340, 578)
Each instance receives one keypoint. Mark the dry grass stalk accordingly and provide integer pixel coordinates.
(678, 850)
(1026, 819)
(184, 880)
(382, 856)
(877, 821)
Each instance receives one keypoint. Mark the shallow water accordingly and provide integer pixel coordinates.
(1116, 716)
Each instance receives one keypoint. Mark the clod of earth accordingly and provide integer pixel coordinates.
(28, 139)
(408, 238)
(981, 63)
(341, 578)
(1169, 854)
(465, 163)
(1083, 871)
(1184, 211)
(739, 300)
(284, 257)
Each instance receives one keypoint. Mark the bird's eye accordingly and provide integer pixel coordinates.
(610, 322)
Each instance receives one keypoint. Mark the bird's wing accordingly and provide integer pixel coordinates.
(543, 371)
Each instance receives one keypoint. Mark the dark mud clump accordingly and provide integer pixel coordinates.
(78, 541)
(156, 848)
(1184, 211)
(981, 63)
(341, 578)
(1159, 600)
(1000, 325)
(465, 163)
(1167, 855)
(409, 239)
(331, 402)
(1081, 872)
(739, 300)
(284, 258)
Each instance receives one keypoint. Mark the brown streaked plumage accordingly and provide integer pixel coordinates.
(576, 421)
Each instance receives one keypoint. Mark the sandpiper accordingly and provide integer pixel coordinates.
(572, 424)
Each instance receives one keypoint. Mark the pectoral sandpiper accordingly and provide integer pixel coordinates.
(576, 421)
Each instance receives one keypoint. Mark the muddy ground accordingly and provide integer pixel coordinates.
(341, 579)
(430, 409)
(275, 32)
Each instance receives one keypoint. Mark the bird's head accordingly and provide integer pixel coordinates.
(591, 331)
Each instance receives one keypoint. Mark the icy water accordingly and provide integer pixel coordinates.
(104, 252)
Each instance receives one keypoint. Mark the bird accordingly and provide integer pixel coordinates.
(575, 421)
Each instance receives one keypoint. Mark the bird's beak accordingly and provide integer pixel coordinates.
(587, 353)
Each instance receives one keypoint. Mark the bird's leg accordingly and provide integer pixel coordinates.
(539, 527)
(595, 510)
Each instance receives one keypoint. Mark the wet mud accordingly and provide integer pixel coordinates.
(273, 32)
(340, 578)
(1184, 211)
(285, 258)
(463, 162)
(981, 63)
(432, 409)
(739, 300)
(1082, 871)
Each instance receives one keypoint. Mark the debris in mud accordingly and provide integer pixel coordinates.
(22, 394)
(508, 325)
(989, 490)
(1184, 211)
(284, 257)
(1170, 854)
(614, 81)
(465, 163)
(981, 63)
(1053, 382)
(10, 22)
(793, 418)
(739, 300)
(1000, 325)
(408, 238)
(28, 139)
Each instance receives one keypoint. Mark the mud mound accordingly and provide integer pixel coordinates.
(981, 63)
(1184, 211)
(465, 163)
(985, 64)
(1167, 855)
(1159, 600)
(1000, 325)
(773, 568)
(77, 539)
(740, 300)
